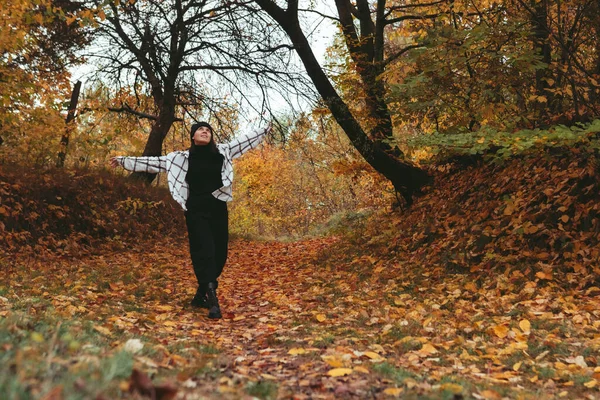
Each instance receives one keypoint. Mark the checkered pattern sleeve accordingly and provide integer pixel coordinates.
(150, 164)
(242, 144)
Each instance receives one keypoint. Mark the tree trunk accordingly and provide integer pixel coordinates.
(64, 140)
(158, 132)
(367, 53)
(595, 17)
(541, 42)
(406, 177)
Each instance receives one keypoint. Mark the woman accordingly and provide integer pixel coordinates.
(200, 181)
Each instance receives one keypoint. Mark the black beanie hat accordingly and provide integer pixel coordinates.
(198, 125)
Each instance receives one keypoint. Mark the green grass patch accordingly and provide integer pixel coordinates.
(399, 375)
(581, 379)
(324, 341)
(208, 349)
(554, 349)
(517, 311)
(546, 373)
(265, 390)
(515, 358)
(399, 332)
(41, 354)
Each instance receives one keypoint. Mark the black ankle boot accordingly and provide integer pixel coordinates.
(213, 303)
(200, 300)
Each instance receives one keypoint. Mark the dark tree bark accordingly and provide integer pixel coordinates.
(541, 41)
(64, 140)
(135, 35)
(595, 18)
(367, 51)
(563, 38)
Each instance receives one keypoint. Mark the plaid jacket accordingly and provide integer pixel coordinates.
(175, 164)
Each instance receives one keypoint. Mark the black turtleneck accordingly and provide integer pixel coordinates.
(204, 173)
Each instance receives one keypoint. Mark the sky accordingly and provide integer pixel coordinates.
(320, 32)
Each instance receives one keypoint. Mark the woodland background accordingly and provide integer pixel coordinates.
(422, 224)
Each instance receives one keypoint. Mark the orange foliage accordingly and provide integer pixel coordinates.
(293, 188)
(72, 211)
(32, 87)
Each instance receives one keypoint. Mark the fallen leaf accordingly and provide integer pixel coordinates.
(297, 350)
(517, 365)
(103, 330)
(490, 395)
(427, 350)
(333, 361)
(544, 275)
(37, 337)
(560, 365)
(501, 331)
(525, 326)
(579, 360)
(339, 372)
(591, 384)
(141, 383)
(452, 387)
(133, 345)
(399, 302)
(373, 356)
(393, 391)
(124, 386)
(471, 286)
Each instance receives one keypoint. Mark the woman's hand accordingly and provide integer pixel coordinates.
(114, 162)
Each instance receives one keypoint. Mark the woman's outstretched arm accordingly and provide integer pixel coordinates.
(150, 164)
(242, 144)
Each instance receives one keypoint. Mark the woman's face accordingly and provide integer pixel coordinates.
(202, 136)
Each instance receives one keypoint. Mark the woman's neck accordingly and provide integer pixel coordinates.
(198, 148)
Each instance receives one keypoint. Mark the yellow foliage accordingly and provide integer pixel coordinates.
(29, 98)
(290, 190)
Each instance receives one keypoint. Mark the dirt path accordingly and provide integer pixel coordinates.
(278, 327)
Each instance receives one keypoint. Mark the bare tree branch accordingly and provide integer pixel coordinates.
(410, 17)
(399, 53)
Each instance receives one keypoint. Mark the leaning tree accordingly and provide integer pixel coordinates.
(363, 24)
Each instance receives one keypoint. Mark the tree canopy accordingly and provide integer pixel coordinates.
(399, 74)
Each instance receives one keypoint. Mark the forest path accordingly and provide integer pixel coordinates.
(305, 320)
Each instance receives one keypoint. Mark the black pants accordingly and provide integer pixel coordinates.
(208, 233)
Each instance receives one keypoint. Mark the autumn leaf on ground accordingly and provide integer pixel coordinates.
(525, 326)
(142, 384)
(339, 372)
(501, 331)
